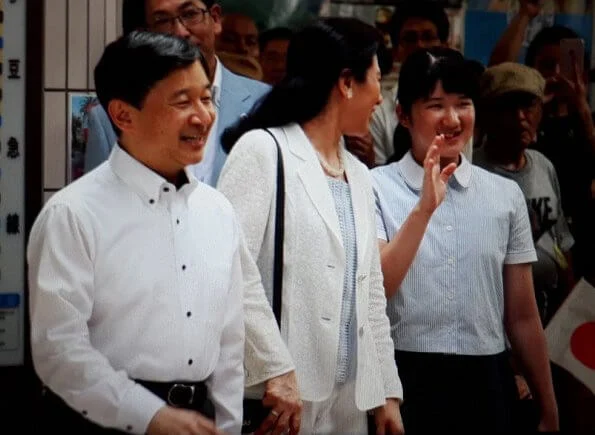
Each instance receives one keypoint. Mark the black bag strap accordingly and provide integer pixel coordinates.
(279, 230)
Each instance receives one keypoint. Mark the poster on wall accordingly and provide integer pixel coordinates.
(486, 21)
(79, 106)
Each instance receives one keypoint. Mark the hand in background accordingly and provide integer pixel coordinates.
(362, 148)
(531, 8)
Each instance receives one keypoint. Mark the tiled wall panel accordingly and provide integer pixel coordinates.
(54, 139)
(76, 32)
(77, 43)
(55, 43)
(96, 36)
(111, 18)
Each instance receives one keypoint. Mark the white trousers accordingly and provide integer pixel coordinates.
(336, 415)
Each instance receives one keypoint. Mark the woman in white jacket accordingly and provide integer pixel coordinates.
(333, 315)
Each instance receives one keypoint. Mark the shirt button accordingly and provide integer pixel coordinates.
(190, 362)
(188, 314)
(151, 201)
(128, 428)
(361, 331)
(84, 412)
(178, 221)
(183, 267)
(451, 261)
(166, 189)
(449, 228)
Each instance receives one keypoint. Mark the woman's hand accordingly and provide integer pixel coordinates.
(435, 180)
(388, 419)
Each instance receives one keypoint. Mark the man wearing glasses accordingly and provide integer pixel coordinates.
(199, 21)
(267, 360)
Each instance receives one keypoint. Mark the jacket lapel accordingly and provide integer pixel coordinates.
(232, 101)
(312, 177)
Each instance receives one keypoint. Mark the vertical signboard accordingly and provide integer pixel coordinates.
(12, 182)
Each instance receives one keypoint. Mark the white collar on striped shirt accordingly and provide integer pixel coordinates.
(413, 173)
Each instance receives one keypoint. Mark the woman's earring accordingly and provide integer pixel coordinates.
(349, 94)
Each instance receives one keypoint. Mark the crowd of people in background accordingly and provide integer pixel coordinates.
(266, 242)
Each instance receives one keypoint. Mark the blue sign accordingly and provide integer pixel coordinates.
(9, 301)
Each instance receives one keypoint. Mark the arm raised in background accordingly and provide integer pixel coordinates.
(508, 47)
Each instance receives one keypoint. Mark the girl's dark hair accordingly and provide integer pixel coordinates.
(423, 69)
(317, 56)
(418, 78)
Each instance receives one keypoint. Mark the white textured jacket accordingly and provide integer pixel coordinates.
(314, 263)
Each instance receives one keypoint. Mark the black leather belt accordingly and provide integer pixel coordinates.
(189, 395)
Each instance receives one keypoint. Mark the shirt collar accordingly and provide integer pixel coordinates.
(413, 173)
(146, 182)
(216, 86)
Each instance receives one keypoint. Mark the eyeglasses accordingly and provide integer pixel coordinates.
(189, 17)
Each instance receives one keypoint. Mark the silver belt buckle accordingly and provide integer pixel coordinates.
(180, 390)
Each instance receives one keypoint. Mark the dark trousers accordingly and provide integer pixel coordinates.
(457, 394)
(57, 417)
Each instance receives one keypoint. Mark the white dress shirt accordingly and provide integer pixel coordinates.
(204, 169)
(133, 279)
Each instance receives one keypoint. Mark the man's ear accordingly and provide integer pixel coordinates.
(122, 114)
(216, 15)
(402, 117)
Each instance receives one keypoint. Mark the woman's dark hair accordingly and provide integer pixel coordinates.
(317, 56)
(131, 65)
(423, 69)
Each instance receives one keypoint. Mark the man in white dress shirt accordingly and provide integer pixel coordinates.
(267, 362)
(135, 269)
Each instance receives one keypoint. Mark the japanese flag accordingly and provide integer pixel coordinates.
(571, 334)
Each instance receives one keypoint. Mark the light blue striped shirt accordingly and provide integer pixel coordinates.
(347, 345)
(452, 298)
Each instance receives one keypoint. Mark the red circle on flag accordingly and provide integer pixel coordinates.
(582, 344)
